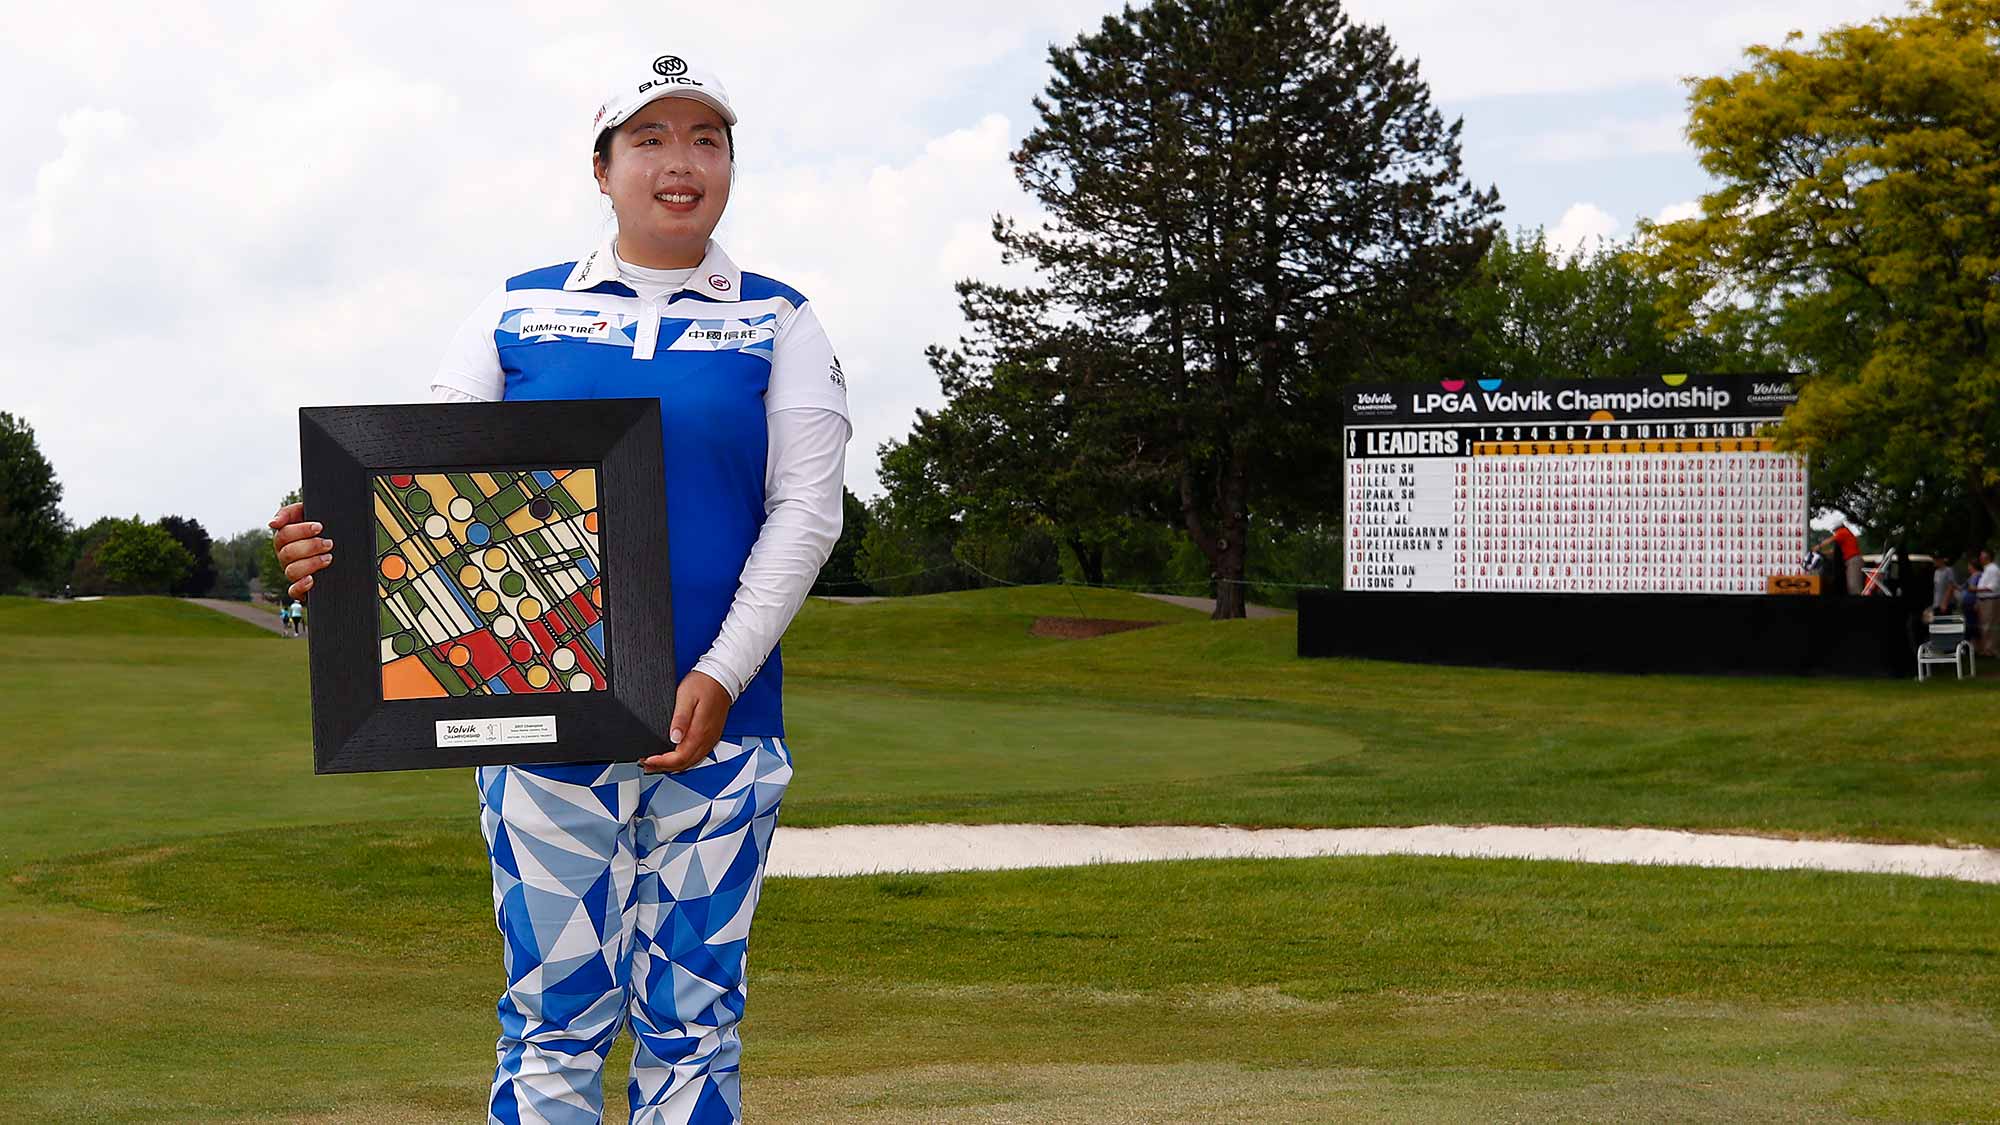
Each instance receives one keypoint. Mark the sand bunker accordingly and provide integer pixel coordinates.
(868, 849)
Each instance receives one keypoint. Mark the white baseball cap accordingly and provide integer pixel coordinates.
(669, 76)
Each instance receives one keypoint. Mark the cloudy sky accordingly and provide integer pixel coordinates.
(215, 214)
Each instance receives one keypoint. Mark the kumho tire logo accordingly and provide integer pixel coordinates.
(666, 66)
(578, 327)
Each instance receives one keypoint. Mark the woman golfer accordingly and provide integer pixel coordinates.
(624, 891)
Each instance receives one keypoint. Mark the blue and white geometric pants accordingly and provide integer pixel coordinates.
(626, 897)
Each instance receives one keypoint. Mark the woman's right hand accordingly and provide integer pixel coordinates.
(300, 547)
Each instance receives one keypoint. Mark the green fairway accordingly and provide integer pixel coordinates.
(120, 617)
(1398, 986)
(945, 709)
(1339, 742)
(199, 929)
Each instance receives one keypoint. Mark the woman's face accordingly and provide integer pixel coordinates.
(668, 179)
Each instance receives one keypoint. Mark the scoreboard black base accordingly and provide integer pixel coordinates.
(1723, 634)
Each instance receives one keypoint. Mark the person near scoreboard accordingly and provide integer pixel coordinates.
(1983, 596)
(1848, 551)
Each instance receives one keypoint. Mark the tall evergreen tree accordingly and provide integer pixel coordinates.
(1249, 204)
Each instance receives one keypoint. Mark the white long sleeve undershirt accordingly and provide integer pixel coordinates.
(804, 467)
(803, 473)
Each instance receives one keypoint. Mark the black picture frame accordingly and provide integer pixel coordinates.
(343, 449)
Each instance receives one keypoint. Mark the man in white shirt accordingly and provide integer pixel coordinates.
(1985, 588)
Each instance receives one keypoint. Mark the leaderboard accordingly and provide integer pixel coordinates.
(1666, 484)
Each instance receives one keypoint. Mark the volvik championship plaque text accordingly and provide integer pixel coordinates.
(1663, 484)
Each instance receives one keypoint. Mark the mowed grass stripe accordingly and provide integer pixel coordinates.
(183, 1027)
(950, 711)
(1377, 743)
(1314, 928)
(109, 740)
(987, 758)
(115, 617)
(1411, 986)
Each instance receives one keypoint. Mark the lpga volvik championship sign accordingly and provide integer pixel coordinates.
(1665, 483)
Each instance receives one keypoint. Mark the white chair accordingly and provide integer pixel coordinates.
(1947, 645)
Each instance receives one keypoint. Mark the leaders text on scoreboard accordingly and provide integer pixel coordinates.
(1665, 484)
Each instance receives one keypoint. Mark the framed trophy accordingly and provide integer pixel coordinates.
(499, 591)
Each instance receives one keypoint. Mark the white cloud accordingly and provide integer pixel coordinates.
(1564, 46)
(877, 249)
(1609, 137)
(313, 200)
(1675, 212)
(83, 131)
(1585, 226)
(1581, 229)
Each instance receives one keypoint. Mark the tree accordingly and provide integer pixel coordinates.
(1855, 231)
(239, 560)
(32, 526)
(1532, 312)
(84, 572)
(908, 546)
(841, 576)
(134, 557)
(189, 533)
(1288, 558)
(923, 539)
(1010, 461)
(270, 572)
(1248, 205)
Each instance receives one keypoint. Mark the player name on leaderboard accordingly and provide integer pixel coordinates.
(1668, 484)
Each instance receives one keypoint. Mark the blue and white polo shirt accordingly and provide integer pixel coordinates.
(721, 353)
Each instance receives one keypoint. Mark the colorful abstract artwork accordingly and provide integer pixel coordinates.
(489, 583)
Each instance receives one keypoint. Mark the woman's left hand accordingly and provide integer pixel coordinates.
(700, 706)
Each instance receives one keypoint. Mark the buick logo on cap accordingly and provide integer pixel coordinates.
(666, 66)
